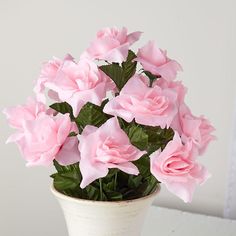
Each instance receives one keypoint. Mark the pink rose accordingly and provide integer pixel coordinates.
(106, 147)
(16, 116)
(197, 129)
(156, 61)
(48, 74)
(176, 86)
(80, 83)
(148, 106)
(111, 44)
(176, 167)
(43, 138)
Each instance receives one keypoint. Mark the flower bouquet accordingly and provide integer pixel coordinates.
(118, 127)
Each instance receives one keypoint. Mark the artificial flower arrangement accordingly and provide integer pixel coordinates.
(118, 126)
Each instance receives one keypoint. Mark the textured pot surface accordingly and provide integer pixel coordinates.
(103, 218)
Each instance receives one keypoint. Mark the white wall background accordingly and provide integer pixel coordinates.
(200, 34)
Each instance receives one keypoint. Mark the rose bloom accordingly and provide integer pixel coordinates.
(111, 44)
(197, 129)
(48, 74)
(106, 147)
(16, 116)
(156, 61)
(148, 106)
(176, 86)
(177, 169)
(79, 83)
(41, 139)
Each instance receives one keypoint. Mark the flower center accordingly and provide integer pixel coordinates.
(110, 151)
(177, 166)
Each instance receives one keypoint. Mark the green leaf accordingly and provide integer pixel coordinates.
(158, 138)
(129, 66)
(138, 137)
(143, 165)
(63, 107)
(134, 181)
(63, 169)
(58, 167)
(111, 173)
(68, 177)
(92, 192)
(121, 74)
(91, 114)
(115, 72)
(62, 183)
(153, 184)
(123, 124)
(149, 138)
(114, 196)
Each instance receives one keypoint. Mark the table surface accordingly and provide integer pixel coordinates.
(164, 222)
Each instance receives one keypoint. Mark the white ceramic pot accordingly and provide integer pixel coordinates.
(104, 218)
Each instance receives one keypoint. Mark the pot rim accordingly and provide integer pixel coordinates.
(86, 201)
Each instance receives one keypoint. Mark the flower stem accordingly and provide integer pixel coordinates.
(150, 83)
(101, 193)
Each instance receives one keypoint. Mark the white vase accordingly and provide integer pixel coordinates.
(104, 218)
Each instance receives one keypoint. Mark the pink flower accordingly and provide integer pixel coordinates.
(42, 140)
(176, 167)
(16, 116)
(148, 106)
(80, 83)
(111, 44)
(48, 74)
(156, 61)
(69, 152)
(106, 147)
(196, 129)
(176, 86)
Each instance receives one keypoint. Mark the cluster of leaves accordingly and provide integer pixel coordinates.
(117, 185)
(90, 114)
(147, 138)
